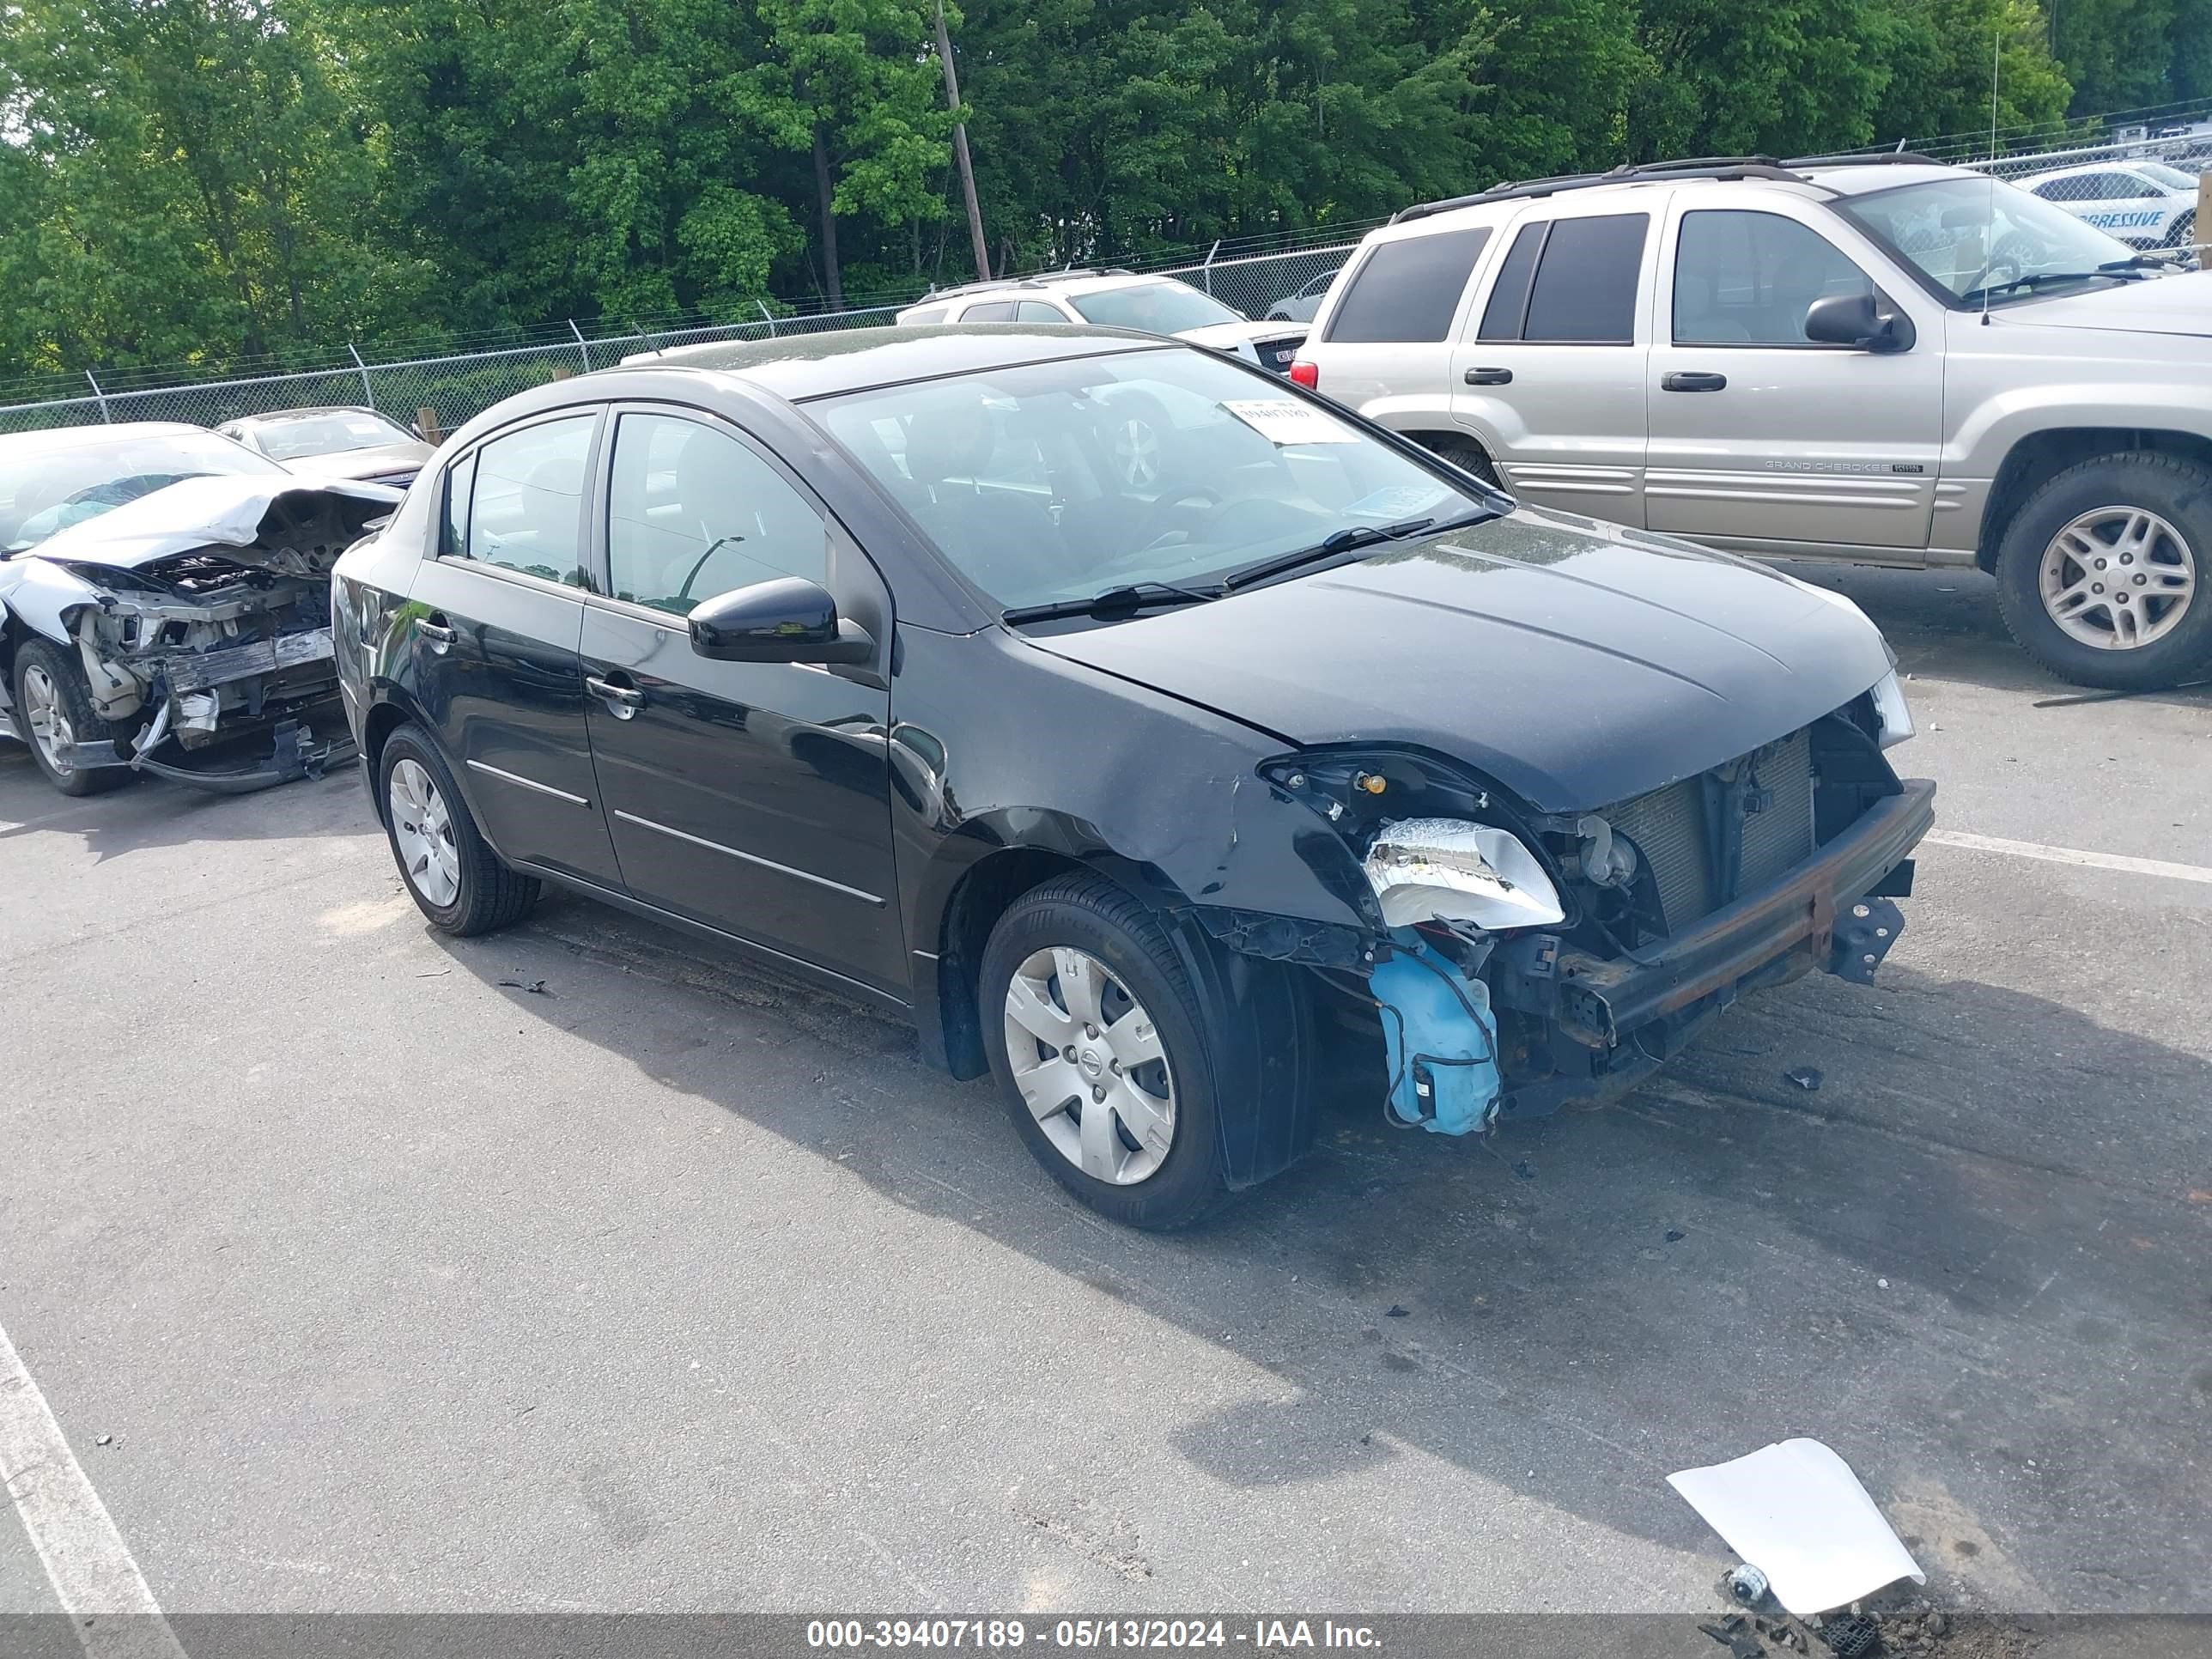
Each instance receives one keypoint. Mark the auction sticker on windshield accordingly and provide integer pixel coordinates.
(1284, 421)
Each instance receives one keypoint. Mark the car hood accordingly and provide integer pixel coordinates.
(377, 463)
(2180, 304)
(1575, 664)
(220, 511)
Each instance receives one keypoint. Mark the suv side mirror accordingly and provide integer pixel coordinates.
(1853, 320)
(787, 619)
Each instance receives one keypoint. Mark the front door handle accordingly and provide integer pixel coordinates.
(623, 700)
(1693, 380)
(1488, 377)
(435, 628)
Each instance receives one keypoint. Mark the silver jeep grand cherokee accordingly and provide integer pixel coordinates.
(1881, 360)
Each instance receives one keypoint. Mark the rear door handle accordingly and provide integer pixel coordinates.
(626, 700)
(1693, 380)
(1489, 377)
(435, 628)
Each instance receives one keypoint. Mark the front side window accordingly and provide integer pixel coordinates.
(1408, 290)
(526, 512)
(991, 311)
(1745, 278)
(692, 513)
(1055, 480)
(1166, 307)
(1037, 311)
(1968, 235)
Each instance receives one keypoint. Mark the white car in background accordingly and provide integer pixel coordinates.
(1116, 299)
(2144, 204)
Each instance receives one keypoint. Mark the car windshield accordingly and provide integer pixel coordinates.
(1161, 307)
(1966, 234)
(1053, 481)
(328, 432)
(2171, 177)
(45, 490)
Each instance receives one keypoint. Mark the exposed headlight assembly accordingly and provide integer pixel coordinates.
(1450, 869)
(1895, 719)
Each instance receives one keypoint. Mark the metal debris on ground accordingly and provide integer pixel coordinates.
(1675, 1235)
(536, 988)
(1806, 1078)
(1734, 1633)
(1396, 1312)
(1855, 1635)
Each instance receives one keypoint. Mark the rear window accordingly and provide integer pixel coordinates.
(1408, 290)
(1585, 273)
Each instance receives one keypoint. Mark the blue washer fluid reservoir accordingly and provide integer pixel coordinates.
(1441, 1041)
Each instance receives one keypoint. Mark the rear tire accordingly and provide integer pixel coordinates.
(1118, 960)
(53, 712)
(451, 871)
(2078, 533)
(1468, 456)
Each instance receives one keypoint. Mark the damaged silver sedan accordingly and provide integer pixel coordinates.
(176, 625)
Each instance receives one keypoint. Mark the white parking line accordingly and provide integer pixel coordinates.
(94, 1579)
(2036, 849)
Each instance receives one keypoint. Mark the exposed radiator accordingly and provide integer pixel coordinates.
(1673, 829)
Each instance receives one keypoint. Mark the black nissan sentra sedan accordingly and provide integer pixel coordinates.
(1146, 787)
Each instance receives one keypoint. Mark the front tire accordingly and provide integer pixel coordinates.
(54, 712)
(1103, 1053)
(451, 871)
(2100, 576)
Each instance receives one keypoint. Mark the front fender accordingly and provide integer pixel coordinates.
(43, 593)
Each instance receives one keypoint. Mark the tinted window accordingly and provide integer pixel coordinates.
(692, 513)
(1585, 288)
(1509, 295)
(453, 537)
(1406, 290)
(529, 497)
(991, 311)
(1747, 278)
(925, 314)
(1037, 311)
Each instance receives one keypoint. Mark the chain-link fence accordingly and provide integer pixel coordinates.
(2146, 192)
(442, 392)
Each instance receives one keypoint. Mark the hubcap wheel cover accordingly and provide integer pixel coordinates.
(48, 721)
(2118, 578)
(1088, 1060)
(423, 828)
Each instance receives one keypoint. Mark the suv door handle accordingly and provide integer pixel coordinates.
(435, 628)
(1693, 380)
(1489, 377)
(625, 700)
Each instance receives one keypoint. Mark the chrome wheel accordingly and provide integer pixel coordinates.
(1088, 1060)
(2118, 578)
(47, 717)
(423, 829)
(1137, 452)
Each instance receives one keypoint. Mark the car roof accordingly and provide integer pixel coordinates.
(53, 439)
(797, 366)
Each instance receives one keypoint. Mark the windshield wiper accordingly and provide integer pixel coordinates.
(1347, 540)
(2121, 271)
(1128, 597)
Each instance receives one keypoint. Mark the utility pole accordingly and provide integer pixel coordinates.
(960, 147)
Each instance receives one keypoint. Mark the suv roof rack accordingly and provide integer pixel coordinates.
(1702, 167)
(1880, 158)
(1035, 279)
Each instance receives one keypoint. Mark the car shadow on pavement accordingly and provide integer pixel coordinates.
(1972, 1258)
(147, 813)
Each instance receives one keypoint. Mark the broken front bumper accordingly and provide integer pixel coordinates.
(1628, 1013)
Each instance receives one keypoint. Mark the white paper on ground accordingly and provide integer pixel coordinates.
(1796, 1512)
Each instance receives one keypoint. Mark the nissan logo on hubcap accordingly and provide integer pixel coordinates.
(1089, 1061)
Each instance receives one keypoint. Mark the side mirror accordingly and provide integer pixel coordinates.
(1853, 320)
(788, 619)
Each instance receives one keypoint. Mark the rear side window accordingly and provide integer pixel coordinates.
(1407, 291)
(1037, 311)
(528, 506)
(994, 311)
(926, 314)
(1572, 282)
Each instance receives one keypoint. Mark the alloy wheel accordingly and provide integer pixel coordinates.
(423, 828)
(47, 717)
(1088, 1060)
(1137, 452)
(2118, 578)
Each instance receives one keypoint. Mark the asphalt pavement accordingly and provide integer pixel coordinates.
(575, 1269)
